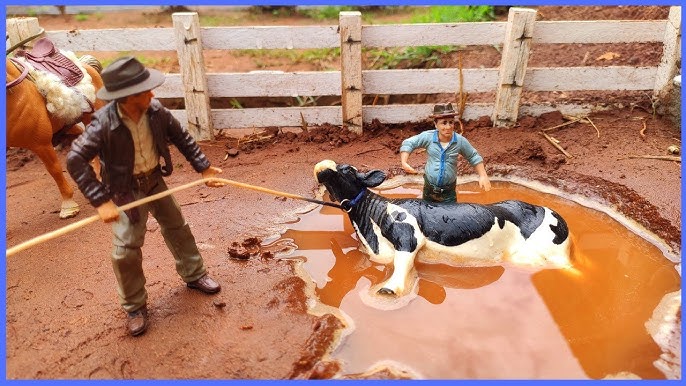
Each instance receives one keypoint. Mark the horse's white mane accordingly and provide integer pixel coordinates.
(64, 102)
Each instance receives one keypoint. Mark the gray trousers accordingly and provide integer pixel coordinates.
(127, 258)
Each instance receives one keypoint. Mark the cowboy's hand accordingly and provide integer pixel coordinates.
(408, 168)
(108, 211)
(210, 172)
(484, 183)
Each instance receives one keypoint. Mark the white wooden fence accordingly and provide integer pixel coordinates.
(516, 35)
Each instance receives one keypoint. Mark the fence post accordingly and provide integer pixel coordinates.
(192, 65)
(671, 53)
(350, 25)
(516, 47)
(19, 29)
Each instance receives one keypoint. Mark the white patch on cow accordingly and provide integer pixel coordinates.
(501, 245)
(402, 266)
(322, 165)
(403, 262)
(487, 250)
(539, 249)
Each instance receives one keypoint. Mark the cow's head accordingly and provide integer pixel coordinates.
(343, 181)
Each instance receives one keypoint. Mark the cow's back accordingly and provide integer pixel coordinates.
(449, 224)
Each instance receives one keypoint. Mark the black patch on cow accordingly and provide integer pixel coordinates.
(524, 215)
(400, 234)
(371, 207)
(561, 230)
(399, 216)
(453, 224)
(450, 224)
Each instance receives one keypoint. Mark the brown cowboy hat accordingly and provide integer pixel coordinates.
(443, 110)
(127, 76)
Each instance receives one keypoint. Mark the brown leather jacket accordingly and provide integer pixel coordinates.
(109, 138)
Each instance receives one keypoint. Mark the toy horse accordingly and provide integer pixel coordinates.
(40, 105)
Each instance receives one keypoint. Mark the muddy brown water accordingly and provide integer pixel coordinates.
(501, 322)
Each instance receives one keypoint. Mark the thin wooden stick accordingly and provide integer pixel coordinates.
(461, 98)
(558, 147)
(461, 126)
(303, 122)
(643, 130)
(71, 227)
(594, 126)
(660, 157)
(564, 124)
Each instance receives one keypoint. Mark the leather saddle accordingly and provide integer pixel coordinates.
(43, 56)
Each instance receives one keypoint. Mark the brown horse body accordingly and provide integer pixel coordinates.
(31, 126)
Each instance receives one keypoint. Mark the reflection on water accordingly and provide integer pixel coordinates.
(502, 322)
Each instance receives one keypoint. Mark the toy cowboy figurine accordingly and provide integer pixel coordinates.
(443, 145)
(130, 134)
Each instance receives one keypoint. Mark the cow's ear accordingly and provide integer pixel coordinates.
(372, 178)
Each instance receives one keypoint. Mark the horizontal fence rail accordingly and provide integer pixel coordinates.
(266, 84)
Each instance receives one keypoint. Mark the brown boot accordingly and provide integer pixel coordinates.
(137, 321)
(205, 284)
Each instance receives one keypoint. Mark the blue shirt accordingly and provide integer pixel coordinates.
(441, 164)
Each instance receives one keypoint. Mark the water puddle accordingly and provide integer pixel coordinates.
(502, 322)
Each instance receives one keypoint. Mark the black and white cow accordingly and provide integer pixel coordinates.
(457, 234)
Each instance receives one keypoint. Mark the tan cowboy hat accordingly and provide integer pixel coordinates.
(443, 111)
(127, 76)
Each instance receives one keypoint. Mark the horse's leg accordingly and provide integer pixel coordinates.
(47, 154)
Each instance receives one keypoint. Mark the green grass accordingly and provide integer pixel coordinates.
(410, 57)
(455, 13)
(215, 21)
(325, 13)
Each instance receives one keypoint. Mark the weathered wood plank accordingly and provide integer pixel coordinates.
(398, 35)
(428, 81)
(419, 112)
(116, 39)
(19, 29)
(192, 65)
(229, 119)
(270, 37)
(590, 78)
(266, 117)
(598, 31)
(397, 82)
(273, 83)
(671, 53)
(351, 69)
(464, 34)
(520, 30)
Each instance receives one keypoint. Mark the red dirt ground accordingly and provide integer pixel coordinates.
(63, 317)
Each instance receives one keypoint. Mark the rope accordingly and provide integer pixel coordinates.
(66, 229)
